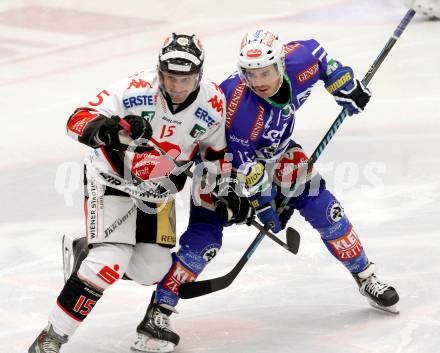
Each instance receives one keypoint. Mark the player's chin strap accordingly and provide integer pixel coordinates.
(292, 236)
(195, 289)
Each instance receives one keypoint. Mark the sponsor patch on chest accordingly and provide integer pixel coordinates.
(203, 115)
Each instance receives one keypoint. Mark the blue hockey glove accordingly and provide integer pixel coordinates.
(349, 93)
(267, 215)
(264, 209)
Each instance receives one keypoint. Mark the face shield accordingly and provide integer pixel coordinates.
(261, 50)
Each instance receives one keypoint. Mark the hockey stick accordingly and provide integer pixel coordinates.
(366, 80)
(292, 236)
(195, 289)
(344, 113)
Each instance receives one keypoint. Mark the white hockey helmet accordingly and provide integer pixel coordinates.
(258, 49)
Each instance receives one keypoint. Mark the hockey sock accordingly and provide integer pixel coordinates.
(327, 216)
(74, 303)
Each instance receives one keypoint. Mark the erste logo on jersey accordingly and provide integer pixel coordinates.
(139, 100)
(203, 115)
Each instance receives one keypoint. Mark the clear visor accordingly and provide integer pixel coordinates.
(269, 76)
(265, 73)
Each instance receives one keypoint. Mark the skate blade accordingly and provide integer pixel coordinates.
(67, 252)
(393, 309)
(147, 344)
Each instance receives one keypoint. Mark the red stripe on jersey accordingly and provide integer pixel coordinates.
(193, 153)
(259, 123)
(290, 48)
(207, 198)
(78, 121)
(234, 103)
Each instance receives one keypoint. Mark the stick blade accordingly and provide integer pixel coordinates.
(190, 290)
(195, 289)
(293, 239)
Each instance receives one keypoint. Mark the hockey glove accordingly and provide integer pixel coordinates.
(265, 211)
(140, 127)
(108, 133)
(285, 213)
(349, 93)
(229, 205)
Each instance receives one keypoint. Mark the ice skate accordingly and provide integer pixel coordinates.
(74, 250)
(379, 294)
(48, 341)
(154, 332)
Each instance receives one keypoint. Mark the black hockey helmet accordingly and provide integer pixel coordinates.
(181, 54)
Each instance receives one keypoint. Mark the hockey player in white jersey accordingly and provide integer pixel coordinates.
(129, 208)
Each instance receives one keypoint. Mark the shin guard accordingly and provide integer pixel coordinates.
(74, 303)
(327, 216)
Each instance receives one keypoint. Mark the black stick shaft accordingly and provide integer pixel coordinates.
(344, 113)
(190, 174)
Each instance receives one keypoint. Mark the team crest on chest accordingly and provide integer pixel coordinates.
(197, 131)
(148, 115)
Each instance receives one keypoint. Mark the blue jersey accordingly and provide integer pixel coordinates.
(258, 129)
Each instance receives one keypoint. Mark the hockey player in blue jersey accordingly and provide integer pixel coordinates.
(272, 83)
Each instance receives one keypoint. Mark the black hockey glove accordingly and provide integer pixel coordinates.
(354, 99)
(229, 205)
(285, 213)
(140, 127)
(108, 133)
(349, 93)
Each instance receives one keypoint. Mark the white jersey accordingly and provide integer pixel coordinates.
(200, 127)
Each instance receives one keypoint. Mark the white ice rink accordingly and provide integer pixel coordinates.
(383, 165)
